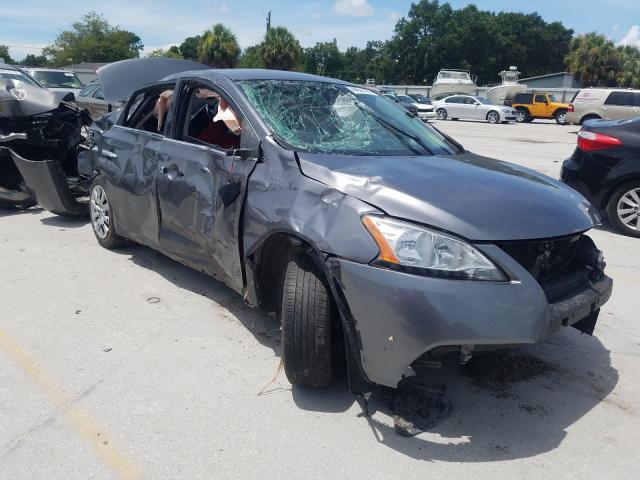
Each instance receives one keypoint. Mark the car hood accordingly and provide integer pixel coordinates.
(479, 198)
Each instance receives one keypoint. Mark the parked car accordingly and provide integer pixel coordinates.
(419, 98)
(57, 79)
(470, 107)
(9, 72)
(91, 98)
(530, 106)
(424, 111)
(387, 92)
(605, 168)
(603, 103)
(360, 225)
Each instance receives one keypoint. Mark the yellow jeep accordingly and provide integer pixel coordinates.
(530, 106)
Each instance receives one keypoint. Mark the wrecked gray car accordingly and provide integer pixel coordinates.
(367, 231)
(40, 140)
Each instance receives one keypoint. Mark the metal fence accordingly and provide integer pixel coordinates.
(562, 94)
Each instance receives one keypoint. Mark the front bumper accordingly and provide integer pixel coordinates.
(426, 115)
(399, 316)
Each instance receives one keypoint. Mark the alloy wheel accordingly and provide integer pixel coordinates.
(441, 113)
(561, 118)
(628, 209)
(520, 116)
(493, 117)
(100, 212)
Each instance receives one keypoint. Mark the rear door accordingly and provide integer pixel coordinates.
(619, 105)
(452, 105)
(201, 182)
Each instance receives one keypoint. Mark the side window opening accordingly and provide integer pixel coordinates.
(210, 119)
(540, 99)
(149, 109)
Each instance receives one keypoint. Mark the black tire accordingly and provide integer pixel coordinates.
(306, 324)
(441, 114)
(108, 238)
(522, 115)
(589, 117)
(493, 117)
(632, 229)
(561, 117)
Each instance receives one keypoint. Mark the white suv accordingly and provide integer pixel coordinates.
(605, 103)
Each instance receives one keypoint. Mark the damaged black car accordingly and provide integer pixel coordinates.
(363, 228)
(41, 134)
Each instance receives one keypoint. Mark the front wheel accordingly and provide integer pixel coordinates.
(441, 113)
(102, 216)
(306, 324)
(522, 115)
(561, 117)
(493, 117)
(623, 209)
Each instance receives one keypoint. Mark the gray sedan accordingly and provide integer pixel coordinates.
(368, 232)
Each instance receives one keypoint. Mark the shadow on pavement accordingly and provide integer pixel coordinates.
(487, 421)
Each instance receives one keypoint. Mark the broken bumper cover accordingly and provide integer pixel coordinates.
(399, 316)
(47, 183)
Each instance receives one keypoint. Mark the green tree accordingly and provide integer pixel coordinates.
(171, 52)
(32, 60)
(251, 58)
(594, 60)
(189, 48)
(219, 47)
(324, 59)
(280, 49)
(93, 39)
(629, 75)
(4, 54)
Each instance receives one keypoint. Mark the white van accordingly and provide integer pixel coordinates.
(606, 103)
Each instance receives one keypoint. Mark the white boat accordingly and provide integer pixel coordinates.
(450, 81)
(503, 94)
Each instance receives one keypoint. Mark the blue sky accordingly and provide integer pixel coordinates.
(29, 24)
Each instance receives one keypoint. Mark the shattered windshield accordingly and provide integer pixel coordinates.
(318, 117)
(58, 79)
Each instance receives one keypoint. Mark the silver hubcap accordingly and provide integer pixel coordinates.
(493, 118)
(100, 212)
(441, 114)
(629, 209)
(520, 116)
(561, 118)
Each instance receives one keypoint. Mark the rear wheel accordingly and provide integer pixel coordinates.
(561, 117)
(493, 117)
(306, 324)
(623, 209)
(441, 113)
(102, 217)
(589, 117)
(522, 115)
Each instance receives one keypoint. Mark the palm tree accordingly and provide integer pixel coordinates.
(630, 61)
(280, 49)
(593, 59)
(219, 47)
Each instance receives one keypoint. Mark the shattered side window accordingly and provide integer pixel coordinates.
(319, 117)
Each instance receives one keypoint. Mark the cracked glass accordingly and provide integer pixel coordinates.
(331, 118)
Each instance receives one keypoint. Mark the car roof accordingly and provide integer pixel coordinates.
(235, 74)
(39, 69)
(6, 66)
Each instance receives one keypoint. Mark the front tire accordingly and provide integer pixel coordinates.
(102, 216)
(493, 117)
(441, 113)
(306, 324)
(623, 209)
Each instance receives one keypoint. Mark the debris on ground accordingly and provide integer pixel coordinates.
(497, 371)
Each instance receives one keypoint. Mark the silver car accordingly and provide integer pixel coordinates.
(473, 108)
(56, 79)
(91, 98)
(603, 103)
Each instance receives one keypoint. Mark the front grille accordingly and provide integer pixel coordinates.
(563, 267)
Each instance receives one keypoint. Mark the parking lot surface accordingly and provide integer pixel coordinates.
(125, 364)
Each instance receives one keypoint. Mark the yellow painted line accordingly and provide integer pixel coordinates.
(88, 428)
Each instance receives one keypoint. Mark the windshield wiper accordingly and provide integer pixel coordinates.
(389, 125)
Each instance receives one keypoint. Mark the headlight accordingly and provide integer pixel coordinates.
(409, 246)
(506, 110)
